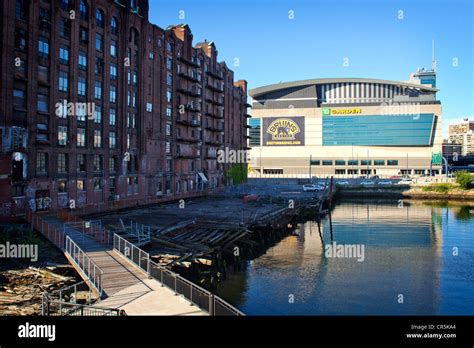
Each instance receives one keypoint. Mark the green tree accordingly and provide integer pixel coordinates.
(465, 180)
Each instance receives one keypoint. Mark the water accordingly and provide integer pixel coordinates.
(420, 254)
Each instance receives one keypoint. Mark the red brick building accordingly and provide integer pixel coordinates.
(98, 105)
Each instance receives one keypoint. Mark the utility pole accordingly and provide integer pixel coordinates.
(310, 159)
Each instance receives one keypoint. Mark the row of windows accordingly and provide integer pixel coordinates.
(81, 163)
(354, 162)
(63, 137)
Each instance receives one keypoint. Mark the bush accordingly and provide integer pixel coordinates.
(465, 180)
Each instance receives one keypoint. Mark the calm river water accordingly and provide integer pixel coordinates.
(418, 260)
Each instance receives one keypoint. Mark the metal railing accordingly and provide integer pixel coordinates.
(198, 296)
(59, 308)
(53, 234)
(88, 267)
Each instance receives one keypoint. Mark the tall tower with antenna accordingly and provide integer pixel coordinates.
(433, 59)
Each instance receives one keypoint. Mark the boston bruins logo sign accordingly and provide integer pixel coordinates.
(284, 131)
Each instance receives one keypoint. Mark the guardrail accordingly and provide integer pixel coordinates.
(58, 308)
(86, 265)
(202, 298)
(53, 234)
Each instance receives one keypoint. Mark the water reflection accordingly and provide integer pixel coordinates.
(410, 254)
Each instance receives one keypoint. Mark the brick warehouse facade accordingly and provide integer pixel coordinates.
(98, 105)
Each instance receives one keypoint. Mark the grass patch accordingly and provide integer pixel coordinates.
(439, 188)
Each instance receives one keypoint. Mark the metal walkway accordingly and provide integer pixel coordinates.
(122, 284)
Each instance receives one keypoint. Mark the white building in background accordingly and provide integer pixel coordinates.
(463, 133)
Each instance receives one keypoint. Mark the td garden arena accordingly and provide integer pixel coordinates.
(346, 127)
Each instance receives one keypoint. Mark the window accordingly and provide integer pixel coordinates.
(98, 66)
(365, 162)
(114, 25)
(81, 163)
(99, 42)
(82, 61)
(99, 18)
(97, 184)
(83, 35)
(168, 129)
(65, 5)
(43, 48)
(64, 28)
(62, 109)
(98, 90)
(64, 55)
(149, 107)
(63, 81)
(83, 10)
(113, 48)
(353, 162)
(135, 78)
(97, 138)
(113, 94)
(340, 163)
(20, 39)
(19, 99)
(315, 162)
(81, 112)
(112, 164)
(168, 165)
(81, 86)
(169, 79)
(43, 99)
(97, 162)
(98, 114)
(62, 135)
(112, 140)
(81, 137)
(327, 162)
(168, 111)
(80, 185)
(113, 71)
(392, 162)
(62, 186)
(254, 131)
(152, 55)
(169, 96)
(21, 9)
(62, 163)
(168, 147)
(112, 116)
(379, 162)
(169, 47)
(169, 63)
(41, 163)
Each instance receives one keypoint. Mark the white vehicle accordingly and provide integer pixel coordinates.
(367, 183)
(322, 183)
(385, 182)
(342, 183)
(312, 187)
(405, 182)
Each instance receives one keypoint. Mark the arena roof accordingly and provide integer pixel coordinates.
(256, 92)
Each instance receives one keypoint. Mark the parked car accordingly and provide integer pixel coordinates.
(342, 183)
(367, 183)
(405, 182)
(395, 177)
(322, 183)
(385, 182)
(375, 177)
(312, 187)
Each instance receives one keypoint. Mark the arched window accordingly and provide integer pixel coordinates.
(114, 25)
(99, 18)
(84, 10)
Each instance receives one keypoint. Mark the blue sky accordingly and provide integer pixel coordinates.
(271, 47)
